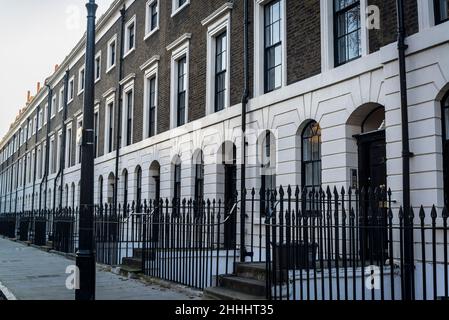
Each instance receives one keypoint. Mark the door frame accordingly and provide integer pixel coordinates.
(370, 248)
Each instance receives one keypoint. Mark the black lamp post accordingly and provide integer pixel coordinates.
(85, 256)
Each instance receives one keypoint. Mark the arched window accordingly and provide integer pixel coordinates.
(311, 156)
(445, 136)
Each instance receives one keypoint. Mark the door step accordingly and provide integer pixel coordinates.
(248, 283)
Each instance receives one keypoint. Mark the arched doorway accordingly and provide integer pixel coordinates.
(227, 156)
(111, 188)
(155, 182)
(139, 202)
(154, 198)
(372, 169)
(372, 179)
(267, 162)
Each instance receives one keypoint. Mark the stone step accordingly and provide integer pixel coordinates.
(256, 271)
(243, 285)
(220, 293)
(149, 254)
(129, 272)
(132, 262)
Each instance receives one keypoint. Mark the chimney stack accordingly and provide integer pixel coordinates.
(28, 96)
(56, 67)
(38, 87)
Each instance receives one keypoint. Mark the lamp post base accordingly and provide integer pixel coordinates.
(85, 261)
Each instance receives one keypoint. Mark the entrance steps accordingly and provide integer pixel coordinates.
(248, 283)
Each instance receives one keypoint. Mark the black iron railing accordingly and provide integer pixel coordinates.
(350, 245)
(315, 244)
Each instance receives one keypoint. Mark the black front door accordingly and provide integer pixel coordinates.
(372, 186)
(157, 209)
(230, 199)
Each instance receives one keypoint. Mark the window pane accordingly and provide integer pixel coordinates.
(348, 44)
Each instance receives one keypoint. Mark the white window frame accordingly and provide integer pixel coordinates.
(259, 47)
(179, 51)
(327, 34)
(30, 133)
(44, 149)
(38, 162)
(97, 113)
(127, 88)
(109, 100)
(108, 63)
(41, 118)
(68, 150)
(61, 99)
(98, 55)
(126, 50)
(58, 151)
(71, 90)
(45, 114)
(148, 21)
(152, 71)
(426, 14)
(81, 83)
(35, 128)
(51, 166)
(175, 9)
(54, 105)
(213, 30)
(77, 153)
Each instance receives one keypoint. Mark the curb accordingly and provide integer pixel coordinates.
(6, 293)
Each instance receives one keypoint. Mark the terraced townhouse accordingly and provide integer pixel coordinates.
(323, 103)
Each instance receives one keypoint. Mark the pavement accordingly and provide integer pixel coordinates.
(28, 273)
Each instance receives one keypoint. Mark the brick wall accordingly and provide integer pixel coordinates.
(303, 39)
(388, 22)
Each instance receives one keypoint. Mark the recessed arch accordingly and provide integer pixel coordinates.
(154, 183)
(367, 118)
(111, 188)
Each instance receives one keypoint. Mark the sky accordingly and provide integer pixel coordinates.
(35, 36)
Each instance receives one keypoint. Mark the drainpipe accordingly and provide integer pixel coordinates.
(35, 159)
(64, 136)
(25, 166)
(12, 174)
(245, 97)
(406, 155)
(17, 171)
(118, 138)
(47, 142)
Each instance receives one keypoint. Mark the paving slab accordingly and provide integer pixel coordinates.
(27, 273)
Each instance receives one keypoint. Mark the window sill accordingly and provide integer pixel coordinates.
(110, 69)
(97, 80)
(80, 92)
(149, 34)
(70, 101)
(174, 13)
(129, 52)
